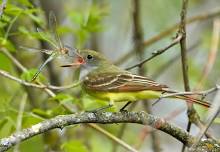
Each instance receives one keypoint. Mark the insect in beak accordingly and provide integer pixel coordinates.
(79, 61)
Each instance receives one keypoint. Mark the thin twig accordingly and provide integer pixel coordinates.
(104, 118)
(20, 117)
(190, 20)
(14, 60)
(212, 54)
(182, 29)
(202, 93)
(28, 84)
(158, 52)
(208, 68)
(171, 61)
(168, 31)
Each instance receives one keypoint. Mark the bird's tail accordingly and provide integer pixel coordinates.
(188, 98)
(191, 99)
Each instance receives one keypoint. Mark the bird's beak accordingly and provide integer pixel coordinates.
(78, 61)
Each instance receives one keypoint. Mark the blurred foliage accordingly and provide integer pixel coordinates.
(81, 24)
(87, 22)
(74, 145)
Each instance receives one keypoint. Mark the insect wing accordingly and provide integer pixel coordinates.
(53, 26)
(46, 38)
(46, 51)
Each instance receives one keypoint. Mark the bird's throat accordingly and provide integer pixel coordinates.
(85, 71)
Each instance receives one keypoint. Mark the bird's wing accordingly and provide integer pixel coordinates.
(122, 82)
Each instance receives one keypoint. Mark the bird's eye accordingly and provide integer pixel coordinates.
(89, 57)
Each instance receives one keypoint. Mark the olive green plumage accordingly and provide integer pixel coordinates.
(103, 80)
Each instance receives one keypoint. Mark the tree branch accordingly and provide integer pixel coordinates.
(182, 29)
(158, 52)
(165, 33)
(103, 118)
(41, 86)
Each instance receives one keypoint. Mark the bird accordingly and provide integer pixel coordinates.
(101, 79)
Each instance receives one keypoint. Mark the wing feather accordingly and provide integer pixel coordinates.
(123, 82)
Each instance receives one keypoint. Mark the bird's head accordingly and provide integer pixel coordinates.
(87, 60)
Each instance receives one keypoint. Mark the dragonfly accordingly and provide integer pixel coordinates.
(58, 48)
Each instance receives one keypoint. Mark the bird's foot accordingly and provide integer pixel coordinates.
(158, 100)
(123, 108)
(155, 102)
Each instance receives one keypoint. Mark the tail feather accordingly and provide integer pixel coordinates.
(194, 100)
(188, 98)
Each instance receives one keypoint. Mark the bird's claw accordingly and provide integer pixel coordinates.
(123, 110)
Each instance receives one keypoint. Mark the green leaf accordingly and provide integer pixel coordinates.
(87, 22)
(23, 30)
(52, 112)
(35, 144)
(41, 113)
(36, 19)
(12, 9)
(6, 129)
(29, 119)
(6, 18)
(5, 63)
(62, 98)
(7, 44)
(74, 146)
(3, 122)
(64, 30)
(9, 117)
(76, 17)
(25, 3)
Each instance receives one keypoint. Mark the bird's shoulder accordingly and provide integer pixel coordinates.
(103, 76)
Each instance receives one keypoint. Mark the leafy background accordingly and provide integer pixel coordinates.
(105, 26)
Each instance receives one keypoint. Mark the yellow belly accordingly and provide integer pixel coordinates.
(126, 96)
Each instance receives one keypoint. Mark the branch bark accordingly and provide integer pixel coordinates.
(182, 29)
(33, 85)
(103, 118)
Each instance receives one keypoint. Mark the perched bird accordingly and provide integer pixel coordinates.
(103, 80)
